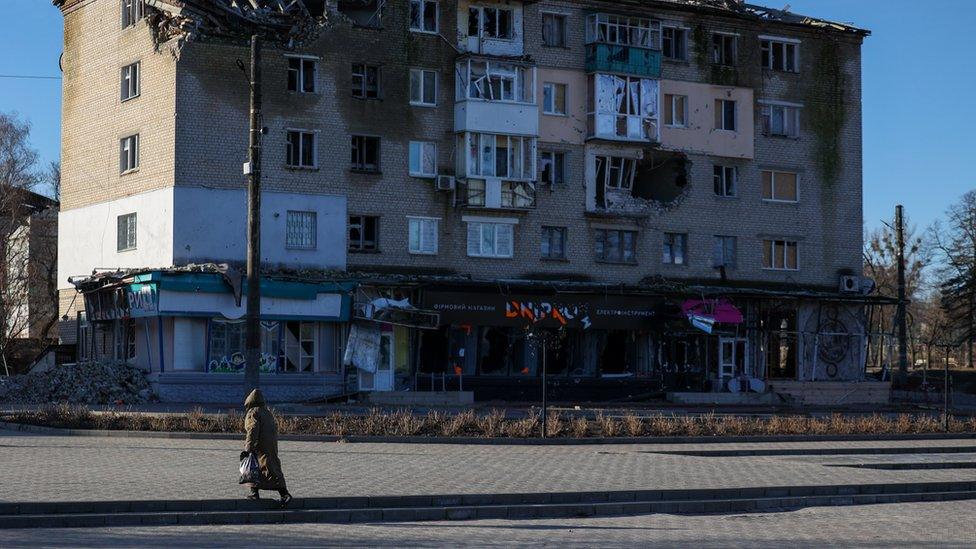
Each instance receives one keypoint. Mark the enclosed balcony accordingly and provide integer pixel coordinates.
(496, 194)
(623, 45)
(496, 171)
(623, 108)
(623, 59)
(495, 97)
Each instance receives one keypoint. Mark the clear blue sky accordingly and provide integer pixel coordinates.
(919, 82)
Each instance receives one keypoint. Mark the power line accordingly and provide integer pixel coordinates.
(29, 77)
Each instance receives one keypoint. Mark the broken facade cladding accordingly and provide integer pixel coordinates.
(641, 180)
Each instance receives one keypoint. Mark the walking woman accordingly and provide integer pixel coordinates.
(261, 439)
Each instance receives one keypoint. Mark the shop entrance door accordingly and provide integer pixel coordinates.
(382, 379)
(732, 357)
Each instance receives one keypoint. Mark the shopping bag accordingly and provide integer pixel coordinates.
(250, 470)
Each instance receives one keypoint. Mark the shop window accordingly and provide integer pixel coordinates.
(615, 246)
(301, 74)
(298, 346)
(363, 233)
(494, 351)
(227, 346)
(782, 348)
(85, 351)
(617, 350)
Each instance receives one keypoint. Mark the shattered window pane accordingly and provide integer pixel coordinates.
(430, 16)
(363, 232)
(474, 21)
(363, 13)
(423, 15)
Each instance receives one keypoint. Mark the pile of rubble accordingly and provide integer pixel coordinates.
(86, 383)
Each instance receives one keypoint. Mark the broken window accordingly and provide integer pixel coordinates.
(554, 30)
(300, 151)
(780, 186)
(780, 119)
(623, 107)
(553, 167)
(132, 12)
(365, 81)
(495, 81)
(517, 194)
(615, 172)
(363, 13)
(726, 180)
(126, 235)
(365, 153)
(675, 249)
(501, 156)
(300, 230)
(301, 74)
(625, 31)
(675, 110)
(423, 87)
(780, 255)
(723, 49)
(725, 115)
(723, 253)
(553, 98)
(674, 43)
(423, 159)
(490, 22)
(130, 81)
(363, 231)
(615, 246)
(298, 343)
(553, 243)
(423, 15)
(128, 153)
(490, 239)
(423, 235)
(780, 54)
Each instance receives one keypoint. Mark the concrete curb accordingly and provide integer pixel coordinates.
(501, 441)
(474, 506)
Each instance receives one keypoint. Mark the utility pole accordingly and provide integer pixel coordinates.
(545, 401)
(252, 343)
(900, 314)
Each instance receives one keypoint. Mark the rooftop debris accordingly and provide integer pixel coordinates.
(286, 23)
(755, 11)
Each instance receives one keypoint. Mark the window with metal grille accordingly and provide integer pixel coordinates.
(301, 74)
(126, 236)
(363, 233)
(130, 81)
(300, 230)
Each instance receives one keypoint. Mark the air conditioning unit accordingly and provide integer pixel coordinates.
(445, 183)
(850, 284)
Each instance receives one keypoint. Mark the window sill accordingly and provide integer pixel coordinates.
(684, 62)
(491, 256)
(302, 168)
(772, 270)
(726, 197)
(679, 265)
(427, 254)
(359, 98)
(131, 98)
(781, 137)
(424, 105)
(786, 202)
(427, 32)
(129, 171)
(361, 251)
(676, 127)
(126, 250)
(624, 263)
(303, 93)
(365, 171)
(556, 46)
(423, 175)
(554, 259)
(557, 114)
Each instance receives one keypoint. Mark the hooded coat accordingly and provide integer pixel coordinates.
(261, 438)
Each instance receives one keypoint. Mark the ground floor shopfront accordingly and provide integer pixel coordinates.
(186, 330)
(600, 346)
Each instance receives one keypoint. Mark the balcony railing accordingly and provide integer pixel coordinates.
(615, 58)
(495, 194)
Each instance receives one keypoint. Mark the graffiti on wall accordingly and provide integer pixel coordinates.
(234, 364)
(536, 312)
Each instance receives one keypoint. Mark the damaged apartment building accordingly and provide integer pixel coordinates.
(644, 196)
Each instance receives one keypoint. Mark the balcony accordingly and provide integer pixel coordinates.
(619, 59)
(495, 194)
(500, 117)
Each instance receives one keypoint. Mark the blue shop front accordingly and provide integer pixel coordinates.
(186, 330)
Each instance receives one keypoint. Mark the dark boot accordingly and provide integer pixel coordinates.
(285, 497)
(255, 494)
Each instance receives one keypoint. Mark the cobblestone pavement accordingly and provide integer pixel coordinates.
(56, 468)
(950, 524)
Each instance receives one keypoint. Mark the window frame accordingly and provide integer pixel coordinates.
(423, 86)
(600, 248)
(552, 96)
(672, 243)
(302, 134)
(421, 222)
(475, 168)
(362, 221)
(410, 149)
(437, 16)
(718, 49)
(554, 180)
(300, 73)
(131, 232)
(722, 180)
(481, 225)
(675, 30)
(300, 217)
(562, 19)
(546, 242)
(773, 172)
(620, 29)
(129, 154)
(363, 90)
(132, 11)
(767, 52)
(735, 115)
(669, 101)
(362, 166)
(719, 244)
(626, 172)
(786, 243)
(791, 118)
(129, 83)
(481, 9)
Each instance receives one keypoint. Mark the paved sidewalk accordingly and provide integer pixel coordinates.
(55, 468)
(950, 524)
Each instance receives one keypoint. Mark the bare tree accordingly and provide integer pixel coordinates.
(955, 242)
(28, 244)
